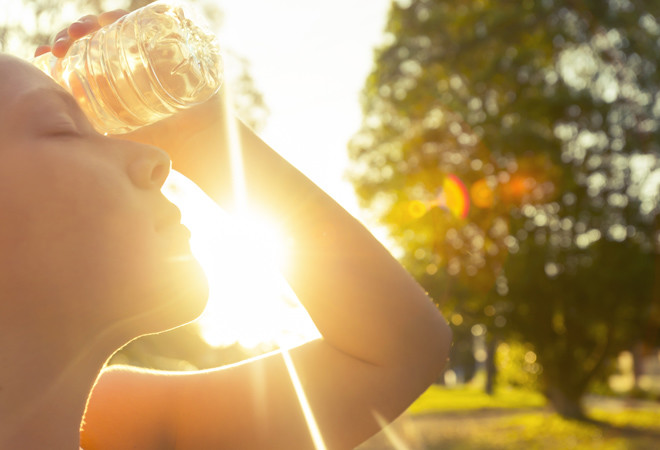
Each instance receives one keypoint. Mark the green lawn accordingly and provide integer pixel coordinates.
(438, 398)
(466, 418)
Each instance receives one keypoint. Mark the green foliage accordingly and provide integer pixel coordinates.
(517, 365)
(549, 112)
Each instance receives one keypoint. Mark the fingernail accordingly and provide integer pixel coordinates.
(84, 19)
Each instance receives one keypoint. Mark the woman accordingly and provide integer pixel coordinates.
(94, 256)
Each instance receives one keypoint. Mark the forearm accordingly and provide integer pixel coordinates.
(362, 301)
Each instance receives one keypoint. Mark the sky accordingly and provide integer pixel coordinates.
(310, 59)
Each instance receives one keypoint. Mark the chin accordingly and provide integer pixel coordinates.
(189, 294)
(180, 299)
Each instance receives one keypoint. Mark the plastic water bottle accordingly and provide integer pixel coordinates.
(140, 69)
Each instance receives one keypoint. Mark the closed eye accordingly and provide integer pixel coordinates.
(61, 128)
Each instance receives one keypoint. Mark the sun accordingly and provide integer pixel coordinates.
(243, 256)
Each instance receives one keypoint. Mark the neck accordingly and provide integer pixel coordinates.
(44, 386)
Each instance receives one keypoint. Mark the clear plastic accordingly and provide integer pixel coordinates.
(140, 69)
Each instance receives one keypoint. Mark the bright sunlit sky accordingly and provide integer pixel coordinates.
(310, 58)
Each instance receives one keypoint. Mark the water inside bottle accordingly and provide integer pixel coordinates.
(142, 68)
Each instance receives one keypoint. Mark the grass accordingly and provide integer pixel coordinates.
(643, 418)
(438, 398)
(550, 431)
(513, 419)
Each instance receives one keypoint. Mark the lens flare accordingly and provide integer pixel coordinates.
(456, 197)
(482, 194)
(453, 197)
(417, 209)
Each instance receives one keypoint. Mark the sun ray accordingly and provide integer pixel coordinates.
(235, 151)
(313, 427)
(238, 179)
(396, 441)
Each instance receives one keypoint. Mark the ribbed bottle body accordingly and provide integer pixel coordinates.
(140, 69)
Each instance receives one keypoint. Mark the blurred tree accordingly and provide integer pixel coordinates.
(549, 112)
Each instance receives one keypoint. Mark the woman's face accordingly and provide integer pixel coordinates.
(85, 230)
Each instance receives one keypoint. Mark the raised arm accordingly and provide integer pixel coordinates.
(361, 299)
(383, 341)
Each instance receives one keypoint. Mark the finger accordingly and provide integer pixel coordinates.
(109, 17)
(83, 26)
(41, 50)
(63, 33)
(61, 46)
(62, 43)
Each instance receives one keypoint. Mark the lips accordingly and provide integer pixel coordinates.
(171, 217)
(175, 234)
(185, 232)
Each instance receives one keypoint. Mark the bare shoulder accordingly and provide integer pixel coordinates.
(127, 409)
(260, 403)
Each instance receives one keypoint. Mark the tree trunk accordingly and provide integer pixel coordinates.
(638, 363)
(568, 405)
(491, 369)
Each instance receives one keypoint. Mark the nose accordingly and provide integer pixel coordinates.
(149, 167)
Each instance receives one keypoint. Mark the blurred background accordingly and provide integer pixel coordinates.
(506, 152)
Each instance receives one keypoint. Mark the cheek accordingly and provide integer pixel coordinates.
(120, 250)
(85, 268)
(102, 258)
(84, 238)
(79, 230)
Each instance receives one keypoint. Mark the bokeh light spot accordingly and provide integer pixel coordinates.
(417, 209)
(481, 194)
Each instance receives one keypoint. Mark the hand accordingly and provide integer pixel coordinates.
(81, 28)
(194, 138)
(172, 134)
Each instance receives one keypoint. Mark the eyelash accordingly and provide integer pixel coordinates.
(63, 133)
(62, 129)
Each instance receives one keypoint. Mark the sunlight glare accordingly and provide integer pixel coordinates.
(243, 256)
(394, 439)
(268, 265)
(250, 303)
(235, 150)
(314, 431)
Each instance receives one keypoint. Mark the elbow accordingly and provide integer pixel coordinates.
(444, 342)
(437, 347)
